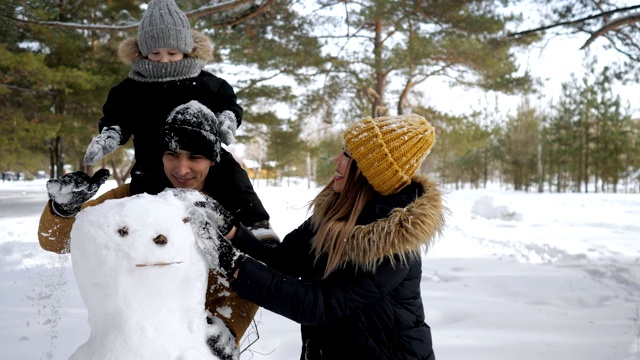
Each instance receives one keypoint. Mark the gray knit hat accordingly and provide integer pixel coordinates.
(194, 128)
(164, 25)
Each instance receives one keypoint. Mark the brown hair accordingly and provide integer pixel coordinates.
(334, 215)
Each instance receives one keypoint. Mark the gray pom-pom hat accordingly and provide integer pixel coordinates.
(164, 25)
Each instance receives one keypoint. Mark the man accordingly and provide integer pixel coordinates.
(191, 137)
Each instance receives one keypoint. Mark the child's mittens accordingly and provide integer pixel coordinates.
(102, 145)
(227, 125)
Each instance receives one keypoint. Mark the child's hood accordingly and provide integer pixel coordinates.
(128, 51)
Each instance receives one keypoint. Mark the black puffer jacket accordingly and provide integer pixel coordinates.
(140, 109)
(371, 308)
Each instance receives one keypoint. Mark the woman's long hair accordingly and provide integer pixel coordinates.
(335, 214)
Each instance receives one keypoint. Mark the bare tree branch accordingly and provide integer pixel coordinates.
(13, 87)
(194, 14)
(251, 14)
(577, 21)
(613, 25)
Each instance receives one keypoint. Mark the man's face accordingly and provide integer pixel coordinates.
(186, 170)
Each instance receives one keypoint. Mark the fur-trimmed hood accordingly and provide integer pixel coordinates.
(405, 232)
(128, 50)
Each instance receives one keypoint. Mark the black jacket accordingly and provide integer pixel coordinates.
(372, 307)
(141, 108)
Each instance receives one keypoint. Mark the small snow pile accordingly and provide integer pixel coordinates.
(142, 280)
(484, 207)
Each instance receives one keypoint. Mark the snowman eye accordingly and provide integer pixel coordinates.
(186, 220)
(123, 231)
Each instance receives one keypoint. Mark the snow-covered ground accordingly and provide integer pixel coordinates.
(516, 276)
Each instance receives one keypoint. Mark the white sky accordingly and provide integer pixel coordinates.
(560, 281)
(552, 61)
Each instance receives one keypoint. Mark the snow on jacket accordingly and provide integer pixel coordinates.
(54, 234)
(371, 308)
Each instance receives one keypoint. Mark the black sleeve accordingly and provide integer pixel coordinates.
(229, 184)
(229, 101)
(318, 302)
(114, 113)
(220, 95)
(292, 256)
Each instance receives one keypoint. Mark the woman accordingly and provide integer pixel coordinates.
(351, 273)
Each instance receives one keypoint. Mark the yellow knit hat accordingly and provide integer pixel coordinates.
(389, 150)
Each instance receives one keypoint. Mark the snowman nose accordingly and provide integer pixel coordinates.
(160, 240)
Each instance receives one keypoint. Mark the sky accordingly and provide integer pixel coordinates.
(552, 61)
(515, 276)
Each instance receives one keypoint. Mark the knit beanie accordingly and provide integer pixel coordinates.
(163, 25)
(194, 128)
(389, 150)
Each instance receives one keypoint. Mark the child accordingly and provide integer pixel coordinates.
(167, 60)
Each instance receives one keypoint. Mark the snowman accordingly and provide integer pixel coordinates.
(142, 280)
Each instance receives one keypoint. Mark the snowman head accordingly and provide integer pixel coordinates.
(139, 247)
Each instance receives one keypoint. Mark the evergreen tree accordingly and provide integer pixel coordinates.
(520, 146)
(588, 138)
(389, 47)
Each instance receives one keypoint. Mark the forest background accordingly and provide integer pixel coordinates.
(303, 70)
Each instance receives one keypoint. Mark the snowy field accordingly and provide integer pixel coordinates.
(515, 276)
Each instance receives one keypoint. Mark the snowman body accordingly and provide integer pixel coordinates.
(141, 279)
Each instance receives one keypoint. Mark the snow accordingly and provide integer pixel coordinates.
(515, 276)
(139, 252)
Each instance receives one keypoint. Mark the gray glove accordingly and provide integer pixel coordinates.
(68, 193)
(102, 145)
(228, 125)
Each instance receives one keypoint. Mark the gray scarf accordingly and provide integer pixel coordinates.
(146, 70)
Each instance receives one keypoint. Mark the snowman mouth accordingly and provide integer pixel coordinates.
(159, 264)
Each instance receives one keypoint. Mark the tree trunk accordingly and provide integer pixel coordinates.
(59, 156)
(378, 106)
